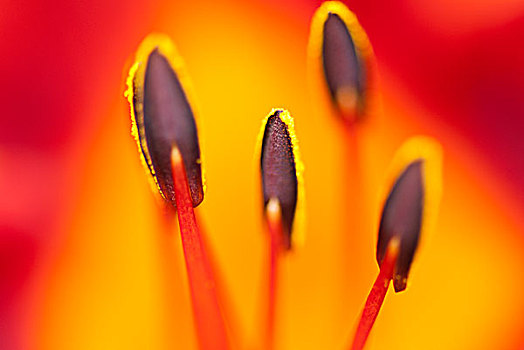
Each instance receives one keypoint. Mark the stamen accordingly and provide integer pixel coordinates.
(280, 174)
(165, 130)
(377, 295)
(210, 325)
(404, 216)
(397, 240)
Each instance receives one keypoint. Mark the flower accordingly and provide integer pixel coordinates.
(104, 278)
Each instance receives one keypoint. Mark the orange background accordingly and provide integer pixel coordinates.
(86, 261)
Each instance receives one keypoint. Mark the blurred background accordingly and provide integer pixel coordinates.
(86, 260)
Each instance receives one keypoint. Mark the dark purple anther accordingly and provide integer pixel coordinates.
(278, 170)
(343, 69)
(168, 120)
(402, 218)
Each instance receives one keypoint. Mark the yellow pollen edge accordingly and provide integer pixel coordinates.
(430, 152)
(135, 87)
(299, 224)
